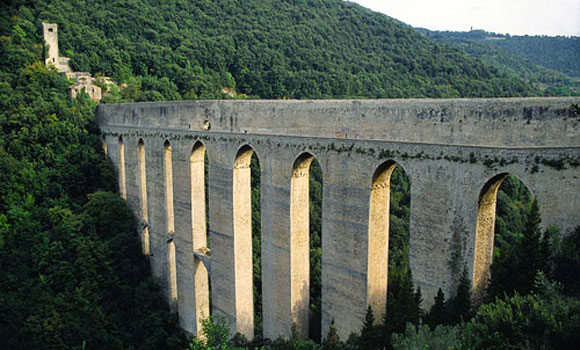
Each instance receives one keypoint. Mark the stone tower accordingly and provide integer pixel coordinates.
(50, 32)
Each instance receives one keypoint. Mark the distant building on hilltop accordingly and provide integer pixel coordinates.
(83, 81)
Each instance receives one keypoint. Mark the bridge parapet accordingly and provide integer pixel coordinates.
(509, 122)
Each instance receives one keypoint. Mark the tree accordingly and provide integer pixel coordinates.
(567, 263)
(525, 322)
(82, 280)
(514, 270)
(214, 335)
(403, 302)
(437, 313)
(423, 337)
(530, 250)
(461, 305)
(370, 335)
(332, 340)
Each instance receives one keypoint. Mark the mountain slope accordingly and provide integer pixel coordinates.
(71, 271)
(268, 49)
(551, 63)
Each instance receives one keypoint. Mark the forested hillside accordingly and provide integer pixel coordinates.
(262, 48)
(550, 63)
(71, 271)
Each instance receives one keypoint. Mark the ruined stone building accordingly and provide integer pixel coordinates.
(83, 81)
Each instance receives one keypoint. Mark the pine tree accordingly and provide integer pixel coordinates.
(502, 279)
(367, 331)
(436, 315)
(547, 252)
(403, 302)
(531, 257)
(332, 340)
(369, 320)
(370, 333)
(461, 305)
(417, 312)
(516, 268)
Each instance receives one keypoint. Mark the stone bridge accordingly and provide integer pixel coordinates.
(455, 153)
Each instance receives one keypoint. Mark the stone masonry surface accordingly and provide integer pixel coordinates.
(455, 152)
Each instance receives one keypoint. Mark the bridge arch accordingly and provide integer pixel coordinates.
(300, 245)
(121, 160)
(200, 238)
(485, 231)
(170, 221)
(142, 176)
(243, 241)
(379, 229)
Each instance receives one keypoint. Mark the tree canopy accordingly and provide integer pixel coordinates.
(268, 49)
(552, 64)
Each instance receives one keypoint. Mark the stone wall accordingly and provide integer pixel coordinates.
(84, 82)
(508, 122)
(452, 151)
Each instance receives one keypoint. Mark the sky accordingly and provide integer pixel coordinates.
(516, 17)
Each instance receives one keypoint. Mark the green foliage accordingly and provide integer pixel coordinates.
(315, 212)
(559, 53)
(269, 49)
(460, 307)
(437, 313)
(215, 334)
(72, 272)
(403, 302)
(550, 63)
(513, 205)
(567, 263)
(400, 204)
(332, 340)
(294, 343)
(525, 322)
(256, 242)
(371, 335)
(423, 337)
(514, 270)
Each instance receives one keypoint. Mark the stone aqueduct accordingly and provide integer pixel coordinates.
(455, 152)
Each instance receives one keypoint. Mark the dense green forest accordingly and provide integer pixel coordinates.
(552, 64)
(169, 50)
(71, 271)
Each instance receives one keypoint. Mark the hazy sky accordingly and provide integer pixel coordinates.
(516, 17)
